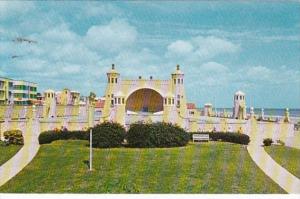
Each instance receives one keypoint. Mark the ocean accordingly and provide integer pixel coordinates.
(267, 111)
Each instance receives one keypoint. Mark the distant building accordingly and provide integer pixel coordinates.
(24, 92)
(6, 91)
(39, 99)
(75, 97)
(192, 110)
(65, 97)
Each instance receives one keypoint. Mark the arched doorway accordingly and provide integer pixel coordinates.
(144, 100)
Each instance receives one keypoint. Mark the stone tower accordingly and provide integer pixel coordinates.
(49, 109)
(177, 82)
(239, 109)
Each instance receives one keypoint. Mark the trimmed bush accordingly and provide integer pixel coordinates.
(156, 135)
(267, 141)
(108, 135)
(14, 137)
(237, 138)
(50, 136)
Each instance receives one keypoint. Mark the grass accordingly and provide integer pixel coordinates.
(287, 157)
(6, 152)
(214, 167)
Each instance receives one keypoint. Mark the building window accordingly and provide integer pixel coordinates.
(178, 102)
(181, 81)
(112, 102)
(165, 100)
(119, 100)
(174, 81)
(112, 95)
(178, 96)
(169, 101)
(123, 101)
(116, 80)
(172, 100)
(178, 81)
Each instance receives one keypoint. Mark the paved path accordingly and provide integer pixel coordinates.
(31, 146)
(277, 173)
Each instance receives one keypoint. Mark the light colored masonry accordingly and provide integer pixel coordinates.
(153, 99)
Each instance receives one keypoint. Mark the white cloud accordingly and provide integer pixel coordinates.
(94, 9)
(112, 37)
(71, 69)
(180, 47)
(200, 48)
(14, 8)
(213, 67)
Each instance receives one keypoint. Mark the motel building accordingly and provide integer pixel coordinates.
(25, 93)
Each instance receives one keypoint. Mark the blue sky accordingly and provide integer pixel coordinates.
(221, 46)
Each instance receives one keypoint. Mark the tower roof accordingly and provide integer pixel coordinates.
(239, 93)
(113, 70)
(178, 71)
(49, 91)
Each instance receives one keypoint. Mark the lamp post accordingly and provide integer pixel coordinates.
(91, 124)
(91, 149)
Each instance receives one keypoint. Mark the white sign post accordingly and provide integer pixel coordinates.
(91, 149)
(91, 125)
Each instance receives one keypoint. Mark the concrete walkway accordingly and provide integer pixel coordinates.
(31, 146)
(277, 173)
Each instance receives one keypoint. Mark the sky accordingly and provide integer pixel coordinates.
(221, 46)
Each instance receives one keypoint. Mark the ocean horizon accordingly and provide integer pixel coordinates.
(294, 112)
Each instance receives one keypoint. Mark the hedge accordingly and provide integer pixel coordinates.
(52, 135)
(14, 137)
(108, 135)
(156, 135)
(267, 141)
(237, 138)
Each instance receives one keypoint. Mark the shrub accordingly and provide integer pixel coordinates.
(52, 135)
(14, 137)
(237, 138)
(280, 142)
(108, 134)
(267, 141)
(156, 135)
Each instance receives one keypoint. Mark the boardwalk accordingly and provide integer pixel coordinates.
(31, 146)
(277, 173)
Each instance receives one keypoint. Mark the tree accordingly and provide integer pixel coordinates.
(92, 97)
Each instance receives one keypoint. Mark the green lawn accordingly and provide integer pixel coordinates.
(287, 157)
(212, 167)
(6, 152)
